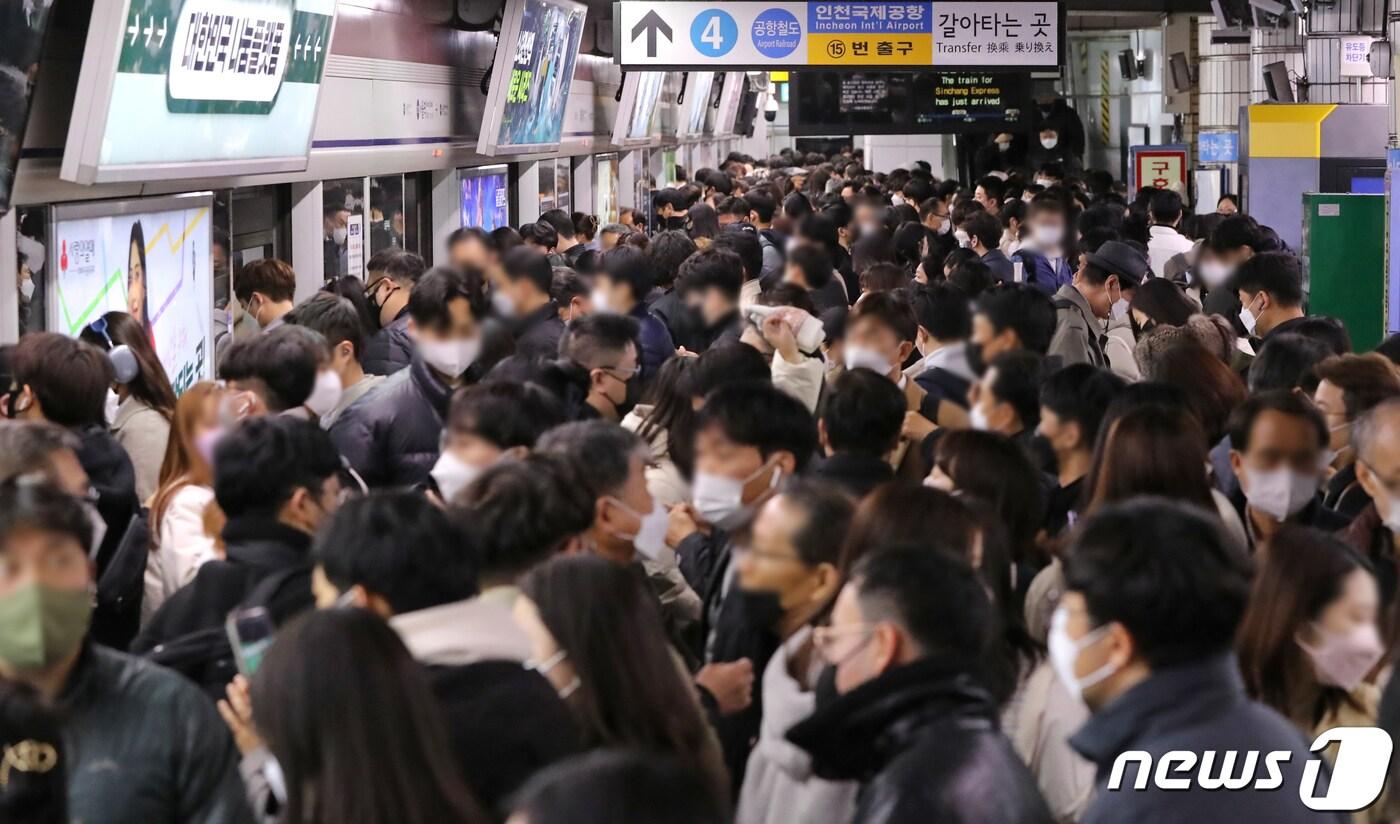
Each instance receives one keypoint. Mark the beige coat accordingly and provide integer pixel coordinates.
(143, 433)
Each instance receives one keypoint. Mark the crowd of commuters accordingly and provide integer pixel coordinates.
(823, 495)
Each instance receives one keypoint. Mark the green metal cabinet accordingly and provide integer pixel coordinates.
(1344, 240)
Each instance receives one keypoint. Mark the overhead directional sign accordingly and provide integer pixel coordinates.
(856, 34)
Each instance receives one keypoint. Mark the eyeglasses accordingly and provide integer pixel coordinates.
(825, 639)
(621, 374)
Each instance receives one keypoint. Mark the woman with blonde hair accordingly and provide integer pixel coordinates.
(180, 543)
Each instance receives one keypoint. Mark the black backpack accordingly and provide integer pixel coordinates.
(205, 656)
(121, 586)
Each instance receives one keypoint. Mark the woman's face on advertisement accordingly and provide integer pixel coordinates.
(135, 284)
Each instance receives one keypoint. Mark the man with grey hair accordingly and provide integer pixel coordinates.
(1376, 531)
(610, 463)
(43, 449)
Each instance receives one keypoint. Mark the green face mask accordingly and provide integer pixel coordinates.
(41, 625)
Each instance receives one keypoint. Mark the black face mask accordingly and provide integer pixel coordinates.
(762, 608)
(974, 359)
(631, 399)
(825, 690)
(675, 223)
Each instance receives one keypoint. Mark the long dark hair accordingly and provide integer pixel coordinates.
(995, 470)
(138, 239)
(1303, 571)
(631, 693)
(671, 413)
(151, 386)
(355, 727)
(1151, 450)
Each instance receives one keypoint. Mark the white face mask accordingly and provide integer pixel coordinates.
(109, 407)
(977, 419)
(1279, 493)
(450, 357)
(1064, 652)
(1120, 308)
(1249, 319)
(946, 226)
(1004, 146)
(599, 298)
(325, 394)
(1047, 236)
(896, 200)
(1049, 142)
(650, 539)
(452, 475)
(863, 357)
(1214, 273)
(720, 500)
(1044, 182)
(964, 239)
(1391, 517)
(339, 234)
(503, 304)
(26, 288)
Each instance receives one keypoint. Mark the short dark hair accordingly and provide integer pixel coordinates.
(723, 364)
(262, 461)
(404, 268)
(632, 266)
(284, 361)
(566, 285)
(1286, 361)
(1284, 402)
(827, 511)
(1165, 206)
(761, 416)
(1020, 374)
(525, 263)
(507, 414)
(1236, 232)
(334, 318)
(934, 596)
(971, 277)
(69, 378)
(713, 268)
(606, 786)
(26, 504)
(1365, 380)
(1080, 394)
(888, 309)
(762, 204)
(269, 276)
(363, 543)
(1024, 309)
(427, 303)
(744, 242)
(561, 222)
(668, 250)
(1278, 274)
(820, 228)
(28, 447)
(984, 227)
(942, 311)
(884, 277)
(540, 233)
(522, 512)
(1167, 572)
(814, 262)
(994, 186)
(595, 341)
(598, 453)
(863, 413)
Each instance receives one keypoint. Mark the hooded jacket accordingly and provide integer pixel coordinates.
(505, 722)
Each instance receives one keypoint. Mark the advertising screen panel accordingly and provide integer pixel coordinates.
(486, 197)
(533, 72)
(149, 258)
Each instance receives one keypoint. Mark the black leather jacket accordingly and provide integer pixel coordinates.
(923, 741)
(144, 745)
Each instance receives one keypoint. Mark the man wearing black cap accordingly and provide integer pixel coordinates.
(1086, 303)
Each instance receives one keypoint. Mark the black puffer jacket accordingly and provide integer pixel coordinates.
(144, 745)
(923, 741)
(391, 349)
(391, 436)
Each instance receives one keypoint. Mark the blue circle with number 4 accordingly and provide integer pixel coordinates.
(714, 33)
